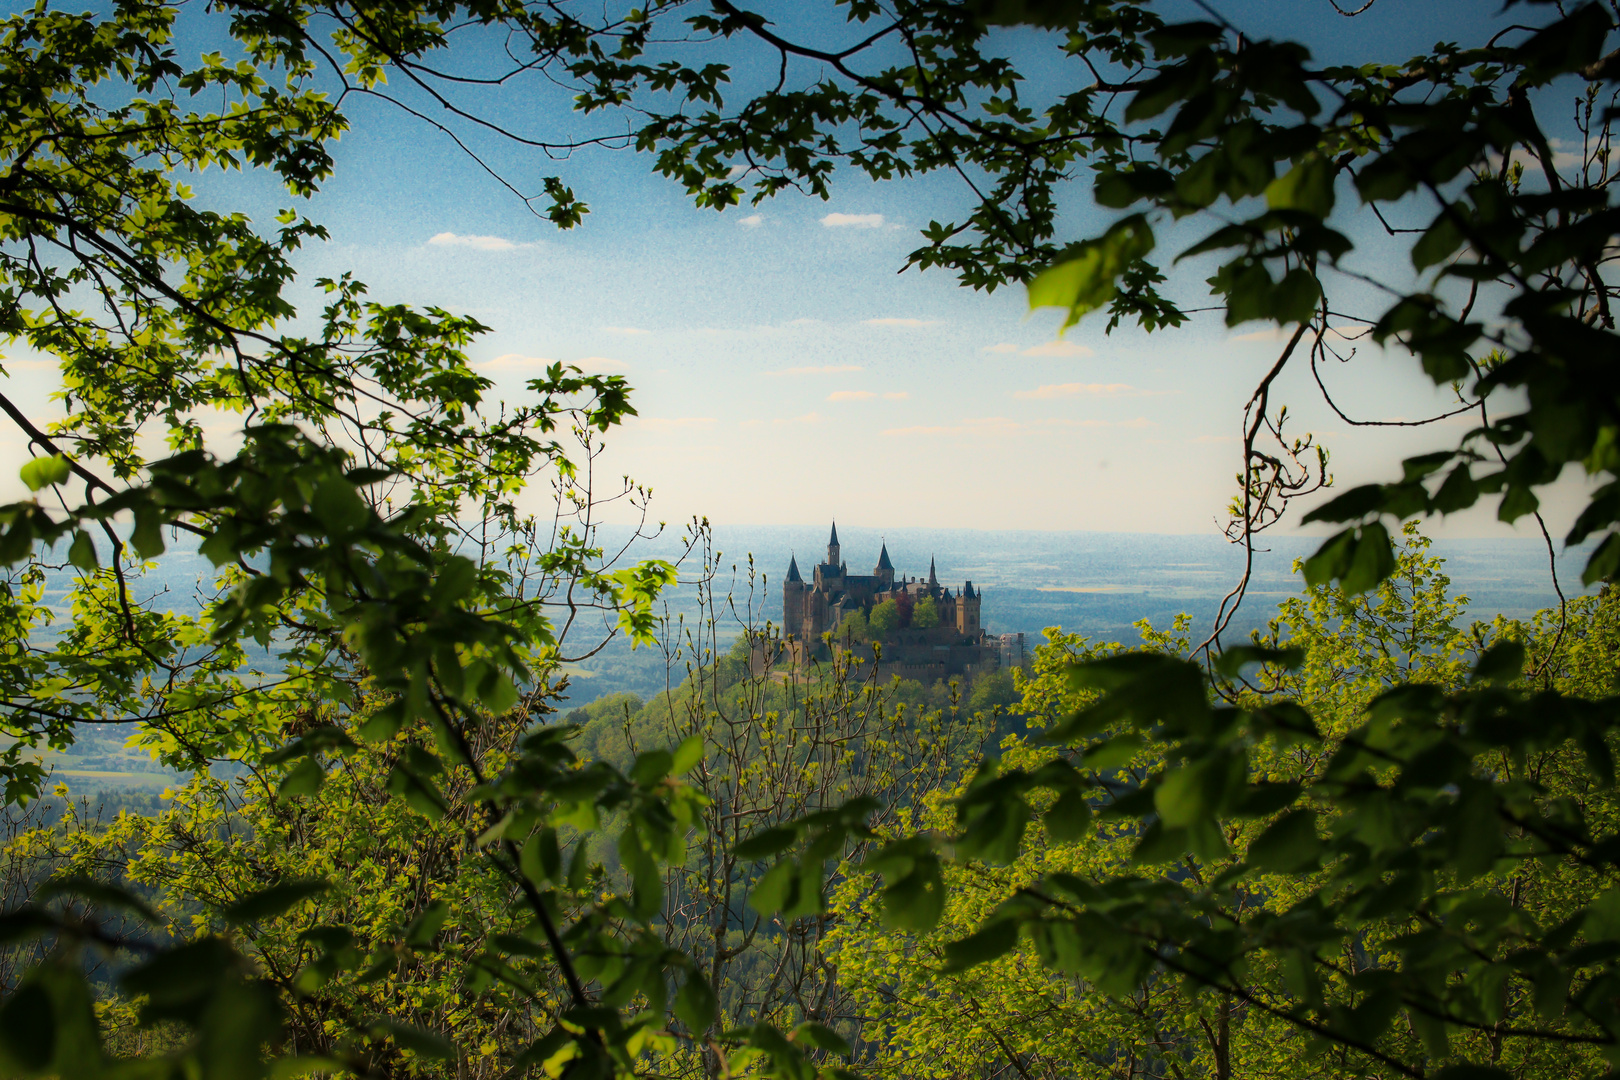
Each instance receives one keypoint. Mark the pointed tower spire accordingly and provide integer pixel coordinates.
(832, 546)
(883, 559)
(932, 580)
(793, 570)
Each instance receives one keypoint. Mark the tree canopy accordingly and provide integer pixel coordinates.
(1424, 856)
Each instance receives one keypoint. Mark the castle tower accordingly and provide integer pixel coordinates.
(794, 595)
(967, 612)
(832, 547)
(885, 570)
(933, 582)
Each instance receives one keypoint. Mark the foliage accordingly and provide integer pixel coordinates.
(925, 615)
(993, 689)
(853, 629)
(1367, 861)
(884, 619)
(1078, 993)
(1405, 863)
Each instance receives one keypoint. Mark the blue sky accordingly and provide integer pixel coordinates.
(784, 371)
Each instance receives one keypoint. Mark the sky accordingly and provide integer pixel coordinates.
(786, 373)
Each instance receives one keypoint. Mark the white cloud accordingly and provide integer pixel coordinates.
(736, 171)
(1058, 347)
(665, 423)
(1561, 158)
(625, 330)
(851, 395)
(827, 369)
(859, 221)
(753, 221)
(481, 243)
(902, 322)
(1003, 347)
(1074, 389)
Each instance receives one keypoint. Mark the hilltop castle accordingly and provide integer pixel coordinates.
(958, 645)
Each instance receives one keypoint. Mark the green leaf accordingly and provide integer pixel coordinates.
(1183, 796)
(42, 472)
(1604, 565)
(650, 767)
(687, 756)
(541, 859)
(1069, 819)
(496, 691)
(775, 890)
(1089, 280)
(765, 843)
(276, 900)
(1438, 243)
(1502, 663)
(147, 536)
(25, 924)
(821, 1037)
(1373, 561)
(996, 939)
(914, 891)
(1307, 187)
(304, 779)
(1295, 297)
(1458, 491)
(695, 1004)
(1289, 846)
(1332, 559)
(426, 926)
(82, 553)
(28, 1028)
(339, 507)
(97, 892)
(419, 792)
(410, 1037)
(1517, 501)
(1352, 505)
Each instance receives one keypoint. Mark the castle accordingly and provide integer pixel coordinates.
(957, 646)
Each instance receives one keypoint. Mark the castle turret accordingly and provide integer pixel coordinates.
(967, 612)
(794, 595)
(933, 582)
(885, 569)
(832, 547)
